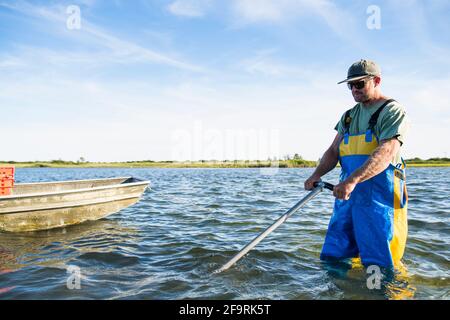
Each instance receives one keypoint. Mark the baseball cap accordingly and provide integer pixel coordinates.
(362, 69)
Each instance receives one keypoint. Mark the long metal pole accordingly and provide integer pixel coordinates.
(319, 188)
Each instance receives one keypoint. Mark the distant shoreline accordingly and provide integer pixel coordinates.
(293, 163)
(168, 164)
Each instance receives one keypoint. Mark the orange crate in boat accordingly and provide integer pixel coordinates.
(6, 183)
(7, 172)
(5, 191)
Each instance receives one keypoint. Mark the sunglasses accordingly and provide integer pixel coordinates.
(357, 84)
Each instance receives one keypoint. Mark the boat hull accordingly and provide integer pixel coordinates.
(66, 203)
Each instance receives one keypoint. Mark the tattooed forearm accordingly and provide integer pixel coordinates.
(377, 162)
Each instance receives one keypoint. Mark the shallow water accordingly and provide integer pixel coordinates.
(194, 220)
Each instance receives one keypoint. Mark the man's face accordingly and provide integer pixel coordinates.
(364, 90)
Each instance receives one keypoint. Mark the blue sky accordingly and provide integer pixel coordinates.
(205, 79)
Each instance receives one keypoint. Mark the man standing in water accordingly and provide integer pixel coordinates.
(370, 210)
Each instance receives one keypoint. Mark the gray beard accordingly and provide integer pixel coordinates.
(362, 98)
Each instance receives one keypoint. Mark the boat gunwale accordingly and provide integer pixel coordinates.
(66, 206)
(67, 181)
(71, 191)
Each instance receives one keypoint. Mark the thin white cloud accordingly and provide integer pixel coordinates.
(266, 10)
(281, 10)
(340, 21)
(189, 8)
(263, 66)
(89, 32)
(8, 61)
(417, 18)
(263, 63)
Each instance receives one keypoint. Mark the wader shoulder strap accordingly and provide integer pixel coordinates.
(374, 119)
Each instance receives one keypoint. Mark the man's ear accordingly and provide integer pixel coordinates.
(377, 81)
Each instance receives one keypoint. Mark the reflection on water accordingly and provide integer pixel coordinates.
(57, 248)
(49, 247)
(194, 220)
